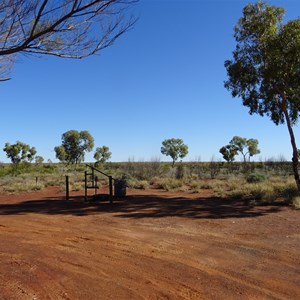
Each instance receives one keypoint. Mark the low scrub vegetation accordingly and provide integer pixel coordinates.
(137, 184)
(260, 184)
(296, 202)
(275, 193)
(255, 178)
(20, 184)
(167, 183)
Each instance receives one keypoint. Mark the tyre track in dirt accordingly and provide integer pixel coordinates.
(232, 277)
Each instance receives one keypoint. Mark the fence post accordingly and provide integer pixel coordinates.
(85, 186)
(110, 188)
(67, 187)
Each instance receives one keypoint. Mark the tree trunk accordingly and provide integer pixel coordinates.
(294, 146)
(173, 163)
(245, 162)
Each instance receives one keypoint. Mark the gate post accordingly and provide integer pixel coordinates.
(85, 186)
(110, 188)
(67, 187)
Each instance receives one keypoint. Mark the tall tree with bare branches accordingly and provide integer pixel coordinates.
(63, 28)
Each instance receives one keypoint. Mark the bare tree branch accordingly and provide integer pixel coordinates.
(65, 28)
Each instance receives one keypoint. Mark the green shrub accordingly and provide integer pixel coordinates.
(168, 184)
(271, 192)
(195, 185)
(138, 184)
(255, 178)
(286, 191)
(206, 186)
(180, 172)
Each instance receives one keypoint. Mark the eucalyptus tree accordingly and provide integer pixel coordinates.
(68, 29)
(19, 152)
(175, 148)
(246, 147)
(265, 69)
(102, 154)
(39, 160)
(74, 145)
(229, 152)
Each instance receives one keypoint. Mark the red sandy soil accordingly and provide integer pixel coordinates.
(150, 245)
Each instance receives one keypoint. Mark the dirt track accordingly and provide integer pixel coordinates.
(152, 245)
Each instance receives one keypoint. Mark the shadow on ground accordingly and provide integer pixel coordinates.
(145, 206)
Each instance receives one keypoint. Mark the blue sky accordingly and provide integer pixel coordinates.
(163, 79)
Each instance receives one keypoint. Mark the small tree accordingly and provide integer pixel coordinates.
(175, 148)
(247, 147)
(69, 29)
(73, 147)
(102, 154)
(19, 152)
(39, 160)
(229, 152)
(264, 70)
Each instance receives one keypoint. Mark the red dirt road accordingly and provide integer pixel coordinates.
(150, 245)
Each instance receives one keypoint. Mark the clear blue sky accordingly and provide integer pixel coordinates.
(161, 80)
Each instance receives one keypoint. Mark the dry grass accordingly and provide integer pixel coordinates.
(296, 202)
(167, 183)
(31, 182)
(138, 184)
(273, 190)
(14, 185)
(279, 189)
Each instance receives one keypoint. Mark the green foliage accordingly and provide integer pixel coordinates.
(19, 152)
(255, 178)
(39, 160)
(287, 192)
(73, 147)
(138, 184)
(167, 183)
(41, 169)
(264, 71)
(60, 153)
(229, 152)
(102, 154)
(247, 147)
(250, 72)
(5, 169)
(175, 148)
